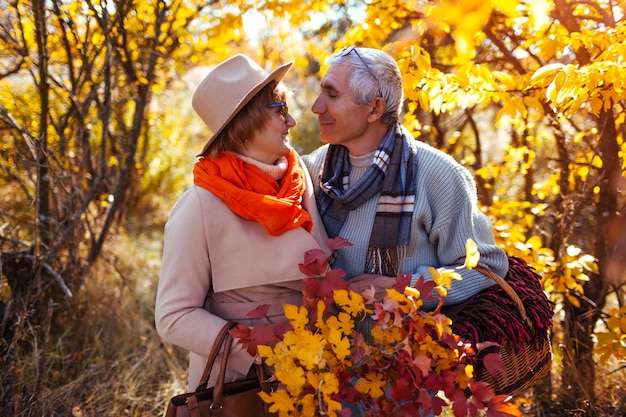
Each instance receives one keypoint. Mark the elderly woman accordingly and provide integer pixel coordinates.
(234, 239)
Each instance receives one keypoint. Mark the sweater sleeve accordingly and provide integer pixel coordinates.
(184, 283)
(449, 192)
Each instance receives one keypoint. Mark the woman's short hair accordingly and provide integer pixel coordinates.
(374, 74)
(252, 117)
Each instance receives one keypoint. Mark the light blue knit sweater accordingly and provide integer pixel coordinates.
(445, 216)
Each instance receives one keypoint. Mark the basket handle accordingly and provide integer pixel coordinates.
(508, 289)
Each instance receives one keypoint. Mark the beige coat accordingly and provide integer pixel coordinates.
(207, 244)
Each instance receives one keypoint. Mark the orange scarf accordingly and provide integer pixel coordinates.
(253, 194)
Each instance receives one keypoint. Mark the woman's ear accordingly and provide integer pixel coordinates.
(377, 109)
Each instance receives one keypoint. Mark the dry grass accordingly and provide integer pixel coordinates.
(108, 360)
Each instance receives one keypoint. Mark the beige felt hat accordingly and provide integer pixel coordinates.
(227, 88)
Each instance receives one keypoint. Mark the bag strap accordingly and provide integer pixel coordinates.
(219, 341)
(218, 390)
(508, 289)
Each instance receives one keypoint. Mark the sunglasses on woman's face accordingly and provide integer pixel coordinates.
(284, 110)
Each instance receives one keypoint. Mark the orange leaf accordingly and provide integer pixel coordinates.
(499, 406)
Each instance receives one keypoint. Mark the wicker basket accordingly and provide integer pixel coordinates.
(523, 369)
(524, 365)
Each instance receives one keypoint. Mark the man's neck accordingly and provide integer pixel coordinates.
(369, 141)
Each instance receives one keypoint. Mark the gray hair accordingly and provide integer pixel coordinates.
(374, 74)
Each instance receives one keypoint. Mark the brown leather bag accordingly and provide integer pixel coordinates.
(233, 399)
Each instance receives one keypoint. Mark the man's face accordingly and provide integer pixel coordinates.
(342, 121)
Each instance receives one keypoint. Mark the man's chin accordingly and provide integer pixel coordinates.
(327, 138)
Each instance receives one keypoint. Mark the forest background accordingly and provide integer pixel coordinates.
(97, 140)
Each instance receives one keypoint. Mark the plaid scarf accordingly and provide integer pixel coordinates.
(392, 175)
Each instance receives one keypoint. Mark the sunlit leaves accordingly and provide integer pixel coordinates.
(544, 75)
(372, 385)
(350, 301)
(386, 354)
(611, 342)
(472, 255)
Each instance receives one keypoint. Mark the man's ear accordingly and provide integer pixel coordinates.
(377, 109)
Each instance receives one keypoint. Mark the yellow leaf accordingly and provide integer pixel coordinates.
(543, 74)
(278, 400)
(373, 385)
(340, 344)
(342, 322)
(534, 242)
(297, 315)
(310, 350)
(573, 300)
(596, 105)
(292, 377)
(437, 278)
(412, 292)
(350, 301)
(540, 13)
(589, 262)
(442, 291)
(508, 7)
(472, 255)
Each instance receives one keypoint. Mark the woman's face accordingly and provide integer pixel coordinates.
(271, 142)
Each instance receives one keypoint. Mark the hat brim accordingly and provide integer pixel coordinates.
(276, 75)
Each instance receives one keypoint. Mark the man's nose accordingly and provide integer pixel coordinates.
(317, 107)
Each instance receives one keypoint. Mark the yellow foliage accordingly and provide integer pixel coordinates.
(472, 255)
(373, 385)
(319, 371)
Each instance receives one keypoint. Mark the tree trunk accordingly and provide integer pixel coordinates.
(579, 373)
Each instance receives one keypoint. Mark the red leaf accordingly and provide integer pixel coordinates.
(337, 274)
(493, 364)
(263, 334)
(401, 391)
(337, 243)
(460, 405)
(438, 405)
(425, 288)
(332, 281)
(407, 410)
(315, 263)
(259, 312)
(242, 334)
(482, 391)
(401, 282)
(281, 328)
(427, 402)
(500, 406)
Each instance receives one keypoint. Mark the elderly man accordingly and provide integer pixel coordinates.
(404, 205)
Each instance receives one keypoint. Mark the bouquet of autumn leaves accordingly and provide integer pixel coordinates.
(342, 350)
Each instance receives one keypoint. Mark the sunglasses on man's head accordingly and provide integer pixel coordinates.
(347, 50)
(284, 110)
